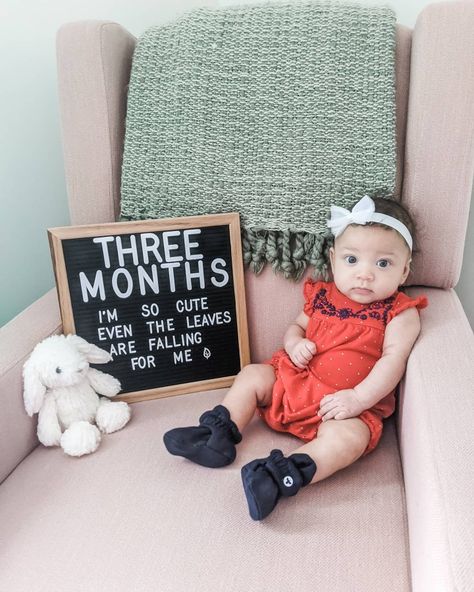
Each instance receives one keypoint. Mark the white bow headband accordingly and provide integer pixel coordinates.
(363, 212)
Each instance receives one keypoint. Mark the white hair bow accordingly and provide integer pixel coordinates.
(363, 212)
(341, 218)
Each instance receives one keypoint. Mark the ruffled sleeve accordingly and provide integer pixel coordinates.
(310, 291)
(403, 302)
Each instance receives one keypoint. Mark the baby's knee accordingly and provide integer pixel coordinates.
(257, 373)
(351, 436)
(260, 376)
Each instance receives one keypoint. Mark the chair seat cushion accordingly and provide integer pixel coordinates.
(131, 517)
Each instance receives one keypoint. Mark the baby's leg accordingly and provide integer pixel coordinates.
(338, 444)
(252, 388)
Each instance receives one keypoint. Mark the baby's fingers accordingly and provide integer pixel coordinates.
(331, 414)
(337, 413)
(326, 399)
(328, 407)
(299, 361)
(309, 348)
(307, 355)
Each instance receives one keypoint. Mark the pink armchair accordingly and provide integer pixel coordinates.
(131, 517)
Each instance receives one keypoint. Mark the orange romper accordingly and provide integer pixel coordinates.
(349, 339)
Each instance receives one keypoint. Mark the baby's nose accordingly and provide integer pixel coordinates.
(365, 273)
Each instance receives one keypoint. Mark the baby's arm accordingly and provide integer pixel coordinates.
(400, 336)
(300, 349)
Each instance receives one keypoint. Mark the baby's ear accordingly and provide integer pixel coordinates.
(34, 389)
(93, 354)
(331, 258)
(406, 271)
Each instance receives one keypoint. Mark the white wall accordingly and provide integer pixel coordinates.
(33, 195)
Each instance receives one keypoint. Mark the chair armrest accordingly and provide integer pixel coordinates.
(17, 339)
(437, 446)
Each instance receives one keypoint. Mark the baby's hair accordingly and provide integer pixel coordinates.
(391, 207)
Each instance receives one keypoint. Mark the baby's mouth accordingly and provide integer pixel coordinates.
(362, 291)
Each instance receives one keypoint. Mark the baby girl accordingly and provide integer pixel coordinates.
(334, 381)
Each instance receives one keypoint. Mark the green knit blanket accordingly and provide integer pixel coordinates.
(274, 111)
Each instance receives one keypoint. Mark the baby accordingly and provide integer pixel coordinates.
(334, 381)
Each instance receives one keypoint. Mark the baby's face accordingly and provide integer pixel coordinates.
(369, 263)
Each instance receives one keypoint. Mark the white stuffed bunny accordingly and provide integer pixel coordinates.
(62, 388)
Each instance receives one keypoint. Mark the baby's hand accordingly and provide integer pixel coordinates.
(340, 405)
(302, 352)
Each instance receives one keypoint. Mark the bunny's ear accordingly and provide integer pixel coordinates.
(94, 354)
(34, 390)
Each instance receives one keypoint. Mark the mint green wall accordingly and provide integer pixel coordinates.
(33, 195)
(32, 190)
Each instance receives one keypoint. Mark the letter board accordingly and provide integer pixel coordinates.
(165, 297)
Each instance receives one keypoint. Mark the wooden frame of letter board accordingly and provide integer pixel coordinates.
(57, 235)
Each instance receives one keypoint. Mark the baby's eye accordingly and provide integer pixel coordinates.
(58, 370)
(351, 259)
(383, 263)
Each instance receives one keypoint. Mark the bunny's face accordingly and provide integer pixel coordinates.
(56, 362)
(60, 364)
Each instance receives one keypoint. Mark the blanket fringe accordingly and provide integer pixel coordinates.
(289, 253)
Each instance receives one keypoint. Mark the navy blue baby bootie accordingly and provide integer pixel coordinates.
(267, 479)
(211, 444)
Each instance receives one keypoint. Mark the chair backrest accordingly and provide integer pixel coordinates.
(435, 150)
(439, 149)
